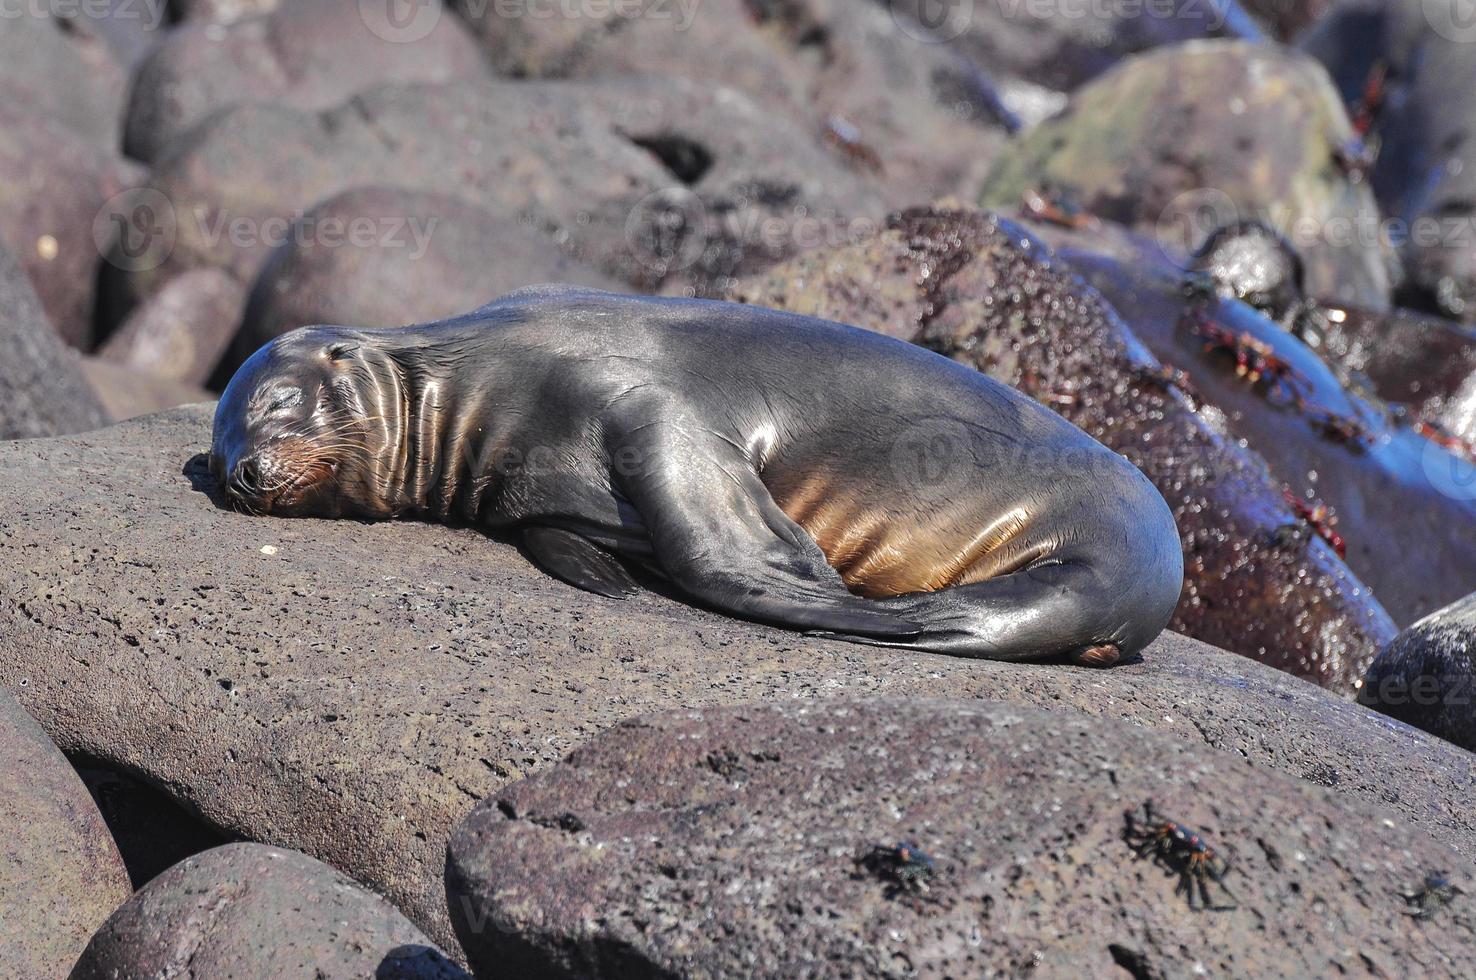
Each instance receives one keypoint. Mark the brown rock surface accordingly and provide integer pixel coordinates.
(352, 690)
(422, 257)
(60, 873)
(250, 912)
(183, 330)
(43, 390)
(706, 843)
(308, 54)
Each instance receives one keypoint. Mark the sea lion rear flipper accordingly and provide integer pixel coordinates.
(578, 561)
(712, 522)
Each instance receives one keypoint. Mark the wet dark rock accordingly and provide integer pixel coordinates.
(1427, 676)
(127, 392)
(420, 257)
(1062, 46)
(252, 912)
(152, 832)
(308, 54)
(53, 186)
(350, 690)
(1237, 132)
(53, 69)
(1419, 60)
(61, 875)
(1425, 364)
(986, 294)
(884, 100)
(1252, 262)
(183, 330)
(1387, 485)
(573, 161)
(705, 842)
(42, 388)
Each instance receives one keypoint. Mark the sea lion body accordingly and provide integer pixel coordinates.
(774, 466)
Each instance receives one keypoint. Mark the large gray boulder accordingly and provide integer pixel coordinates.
(60, 873)
(251, 912)
(42, 389)
(308, 54)
(53, 70)
(351, 690)
(760, 840)
(1427, 676)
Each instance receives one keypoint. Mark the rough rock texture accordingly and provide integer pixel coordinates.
(351, 690)
(53, 70)
(53, 189)
(1421, 57)
(1427, 676)
(60, 874)
(126, 392)
(1424, 363)
(42, 388)
(1061, 46)
(705, 843)
(183, 330)
(252, 912)
(308, 54)
(1236, 132)
(659, 184)
(883, 97)
(985, 293)
(422, 257)
(1387, 485)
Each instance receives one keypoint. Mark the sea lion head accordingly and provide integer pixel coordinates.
(300, 429)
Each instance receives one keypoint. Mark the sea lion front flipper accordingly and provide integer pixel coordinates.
(709, 518)
(578, 561)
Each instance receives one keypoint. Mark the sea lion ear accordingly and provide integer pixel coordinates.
(341, 350)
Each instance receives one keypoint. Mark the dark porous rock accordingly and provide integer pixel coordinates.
(60, 874)
(707, 843)
(983, 292)
(43, 391)
(53, 70)
(1061, 46)
(1411, 67)
(308, 54)
(663, 185)
(1387, 484)
(1427, 676)
(252, 912)
(1423, 363)
(350, 690)
(53, 187)
(127, 392)
(385, 257)
(884, 99)
(1179, 142)
(183, 330)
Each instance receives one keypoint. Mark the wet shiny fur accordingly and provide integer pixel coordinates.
(773, 466)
